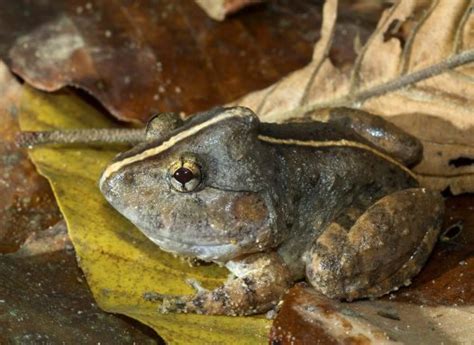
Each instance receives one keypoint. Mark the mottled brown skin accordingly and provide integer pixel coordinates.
(346, 217)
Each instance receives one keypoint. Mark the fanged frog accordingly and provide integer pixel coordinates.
(331, 201)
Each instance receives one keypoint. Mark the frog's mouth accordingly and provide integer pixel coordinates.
(218, 253)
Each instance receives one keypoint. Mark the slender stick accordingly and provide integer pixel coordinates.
(81, 136)
(412, 78)
(132, 136)
(400, 82)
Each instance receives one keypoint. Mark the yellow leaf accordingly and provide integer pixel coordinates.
(120, 263)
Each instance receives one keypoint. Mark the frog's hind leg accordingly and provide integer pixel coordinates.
(379, 133)
(385, 247)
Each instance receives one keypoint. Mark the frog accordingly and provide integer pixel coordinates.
(329, 199)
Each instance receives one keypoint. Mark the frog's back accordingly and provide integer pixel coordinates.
(325, 171)
(343, 126)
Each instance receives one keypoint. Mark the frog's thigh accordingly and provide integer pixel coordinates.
(384, 249)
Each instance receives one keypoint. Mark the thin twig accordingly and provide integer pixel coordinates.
(412, 78)
(81, 136)
(133, 136)
(390, 86)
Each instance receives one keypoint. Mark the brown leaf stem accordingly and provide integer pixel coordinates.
(81, 136)
(351, 100)
(454, 61)
(30, 139)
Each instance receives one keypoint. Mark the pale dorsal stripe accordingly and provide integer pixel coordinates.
(114, 167)
(342, 143)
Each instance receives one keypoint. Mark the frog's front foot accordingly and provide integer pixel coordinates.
(387, 245)
(177, 304)
(262, 281)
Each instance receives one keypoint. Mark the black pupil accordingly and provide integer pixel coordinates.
(183, 175)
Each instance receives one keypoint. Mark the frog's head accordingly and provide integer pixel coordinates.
(204, 190)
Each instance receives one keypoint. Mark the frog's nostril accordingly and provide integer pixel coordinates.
(127, 178)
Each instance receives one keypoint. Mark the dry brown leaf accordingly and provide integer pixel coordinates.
(139, 57)
(45, 300)
(411, 35)
(53, 239)
(26, 202)
(307, 317)
(219, 9)
(43, 295)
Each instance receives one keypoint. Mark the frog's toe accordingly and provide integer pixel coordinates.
(383, 250)
(174, 304)
(196, 285)
(169, 303)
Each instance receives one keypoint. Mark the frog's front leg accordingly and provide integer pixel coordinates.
(385, 247)
(257, 284)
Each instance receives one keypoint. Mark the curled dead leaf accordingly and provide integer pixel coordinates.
(307, 317)
(27, 204)
(137, 58)
(411, 36)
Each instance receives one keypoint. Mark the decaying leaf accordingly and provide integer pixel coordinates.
(53, 239)
(140, 57)
(26, 201)
(307, 317)
(219, 9)
(438, 307)
(45, 300)
(120, 264)
(44, 296)
(411, 35)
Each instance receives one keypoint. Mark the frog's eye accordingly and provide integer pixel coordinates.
(185, 175)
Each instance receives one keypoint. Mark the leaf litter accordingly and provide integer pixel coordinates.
(439, 110)
(107, 243)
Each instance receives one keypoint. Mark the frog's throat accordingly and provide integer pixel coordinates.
(342, 143)
(114, 167)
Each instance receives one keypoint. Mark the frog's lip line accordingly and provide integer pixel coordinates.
(161, 238)
(114, 167)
